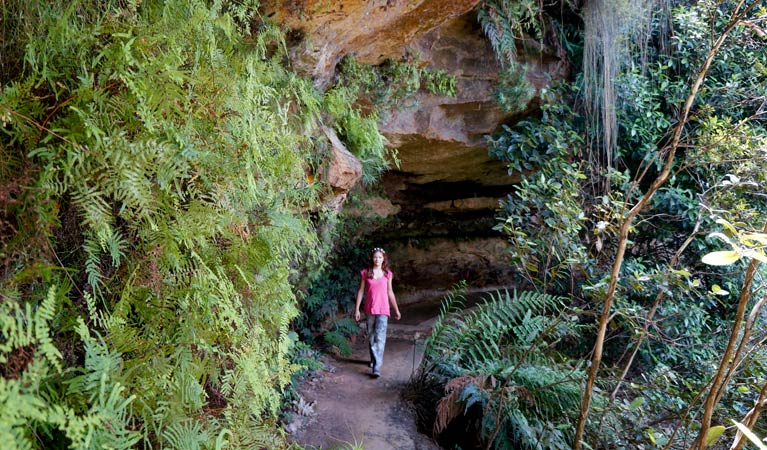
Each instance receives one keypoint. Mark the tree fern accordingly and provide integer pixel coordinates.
(501, 319)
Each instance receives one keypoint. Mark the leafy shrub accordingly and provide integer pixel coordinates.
(544, 217)
(498, 373)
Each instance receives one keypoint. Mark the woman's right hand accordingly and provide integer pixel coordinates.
(357, 315)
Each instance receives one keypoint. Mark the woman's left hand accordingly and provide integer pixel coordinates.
(397, 315)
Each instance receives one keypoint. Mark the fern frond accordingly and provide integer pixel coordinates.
(336, 340)
(452, 405)
(500, 318)
(495, 356)
(452, 302)
(496, 28)
(19, 406)
(44, 314)
(99, 361)
(30, 327)
(92, 249)
(94, 206)
(15, 331)
(186, 435)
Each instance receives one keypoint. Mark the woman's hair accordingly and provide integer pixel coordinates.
(384, 265)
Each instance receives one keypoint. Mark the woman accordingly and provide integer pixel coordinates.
(375, 284)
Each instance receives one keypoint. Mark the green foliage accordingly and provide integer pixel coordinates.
(505, 23)
(562, 220)
(338, 341)
(94, 413)
(337, 335)
(359, 130)
(545, 215)
(438, 82)
(498, 359)
(304, 356)
(28, 328)
(513, 91)
(393, 81)
(452, 302)
(163, 149)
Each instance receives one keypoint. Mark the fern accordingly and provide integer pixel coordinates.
(167, 147)
(451, 303)
(21, 405)
(338, 341)
(496, 357)
(106, 425)
(30, 328)
(43, 316)
(186, 435)
(100, 420)
(504, 22)
(502, 319)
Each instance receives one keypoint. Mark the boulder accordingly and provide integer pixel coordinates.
(342, 172)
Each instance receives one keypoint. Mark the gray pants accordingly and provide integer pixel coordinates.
(377, 336)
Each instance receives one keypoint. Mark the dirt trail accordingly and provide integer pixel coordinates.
(352, 407)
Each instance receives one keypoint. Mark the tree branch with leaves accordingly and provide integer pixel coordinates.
(668, 154)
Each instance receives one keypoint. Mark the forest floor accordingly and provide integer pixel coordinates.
(350, 409)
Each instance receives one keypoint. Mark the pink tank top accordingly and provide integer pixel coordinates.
(377, 293)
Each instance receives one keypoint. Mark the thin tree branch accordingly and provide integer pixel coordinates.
(750, 418)
(720, 379)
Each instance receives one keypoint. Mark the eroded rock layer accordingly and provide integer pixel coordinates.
(372, 30)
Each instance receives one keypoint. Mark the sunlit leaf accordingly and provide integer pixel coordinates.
(750, 435)
(729, 230)
(714, 433)
(717, 290)
(651, 435)
(757, 255)
(758, 237)
(681, 273)
(721, 258)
